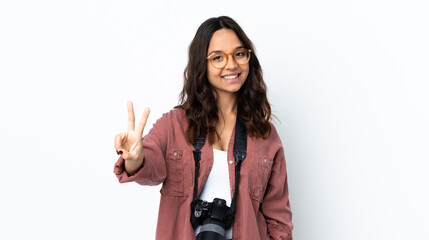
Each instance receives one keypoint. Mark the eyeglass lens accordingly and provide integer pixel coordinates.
(240, 56)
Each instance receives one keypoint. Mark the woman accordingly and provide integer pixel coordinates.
(223, 83)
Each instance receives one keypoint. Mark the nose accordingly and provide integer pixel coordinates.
(231, 64)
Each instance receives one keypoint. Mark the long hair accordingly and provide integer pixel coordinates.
(197, 98)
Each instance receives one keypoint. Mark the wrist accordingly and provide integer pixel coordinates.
(133, 166)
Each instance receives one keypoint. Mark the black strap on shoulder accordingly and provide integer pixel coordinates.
(199, 143)
(239, 152)
(240, 141)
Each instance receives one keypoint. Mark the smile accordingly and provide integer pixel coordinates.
(231, 76)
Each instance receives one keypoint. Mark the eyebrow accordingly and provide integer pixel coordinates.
(217, 51)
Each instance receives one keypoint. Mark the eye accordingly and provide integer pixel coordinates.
(217, 58)
(240, 53)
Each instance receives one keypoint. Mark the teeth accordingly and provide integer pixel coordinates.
(231, 77)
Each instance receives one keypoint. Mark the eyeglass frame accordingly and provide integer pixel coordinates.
(227, 57)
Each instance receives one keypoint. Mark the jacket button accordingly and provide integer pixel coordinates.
(175, 154)
(265, 160)
(231, 162)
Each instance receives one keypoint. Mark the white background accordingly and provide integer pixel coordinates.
(348, 82)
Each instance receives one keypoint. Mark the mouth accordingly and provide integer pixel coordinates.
(231, 76)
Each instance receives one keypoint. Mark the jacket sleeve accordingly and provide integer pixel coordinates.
(154, 169)
(275, 206)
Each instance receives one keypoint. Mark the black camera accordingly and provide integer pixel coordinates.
(214, 217)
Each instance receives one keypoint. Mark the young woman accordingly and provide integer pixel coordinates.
(223, 83)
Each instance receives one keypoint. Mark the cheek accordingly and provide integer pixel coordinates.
(213, 72)
(246, 71)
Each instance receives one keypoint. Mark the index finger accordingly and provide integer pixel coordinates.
(131, 118)
(142, 122)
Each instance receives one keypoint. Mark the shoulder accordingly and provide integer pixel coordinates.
(273, 138)
(175, 114)
(274, 135)
(175, 118)
(267, 146)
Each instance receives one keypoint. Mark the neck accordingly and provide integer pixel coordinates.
(227, 103)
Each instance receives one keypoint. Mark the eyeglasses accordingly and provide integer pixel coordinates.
(219, 60)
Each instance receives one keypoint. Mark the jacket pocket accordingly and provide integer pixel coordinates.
(259, 176)
(174, 182)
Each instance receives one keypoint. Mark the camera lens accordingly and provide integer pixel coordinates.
(211, 230)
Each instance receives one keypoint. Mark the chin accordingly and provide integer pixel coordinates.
(234, 89)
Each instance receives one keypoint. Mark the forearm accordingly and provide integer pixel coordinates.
(276, 206)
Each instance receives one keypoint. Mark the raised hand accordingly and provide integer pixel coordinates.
(129, 144)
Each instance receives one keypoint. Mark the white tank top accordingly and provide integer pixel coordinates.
(217, 184)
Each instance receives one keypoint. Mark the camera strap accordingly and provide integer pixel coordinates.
(239, 152)
(199, 143)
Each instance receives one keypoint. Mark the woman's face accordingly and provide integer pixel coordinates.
(230, 78)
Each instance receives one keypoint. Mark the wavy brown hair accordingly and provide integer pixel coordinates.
(198, 100)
